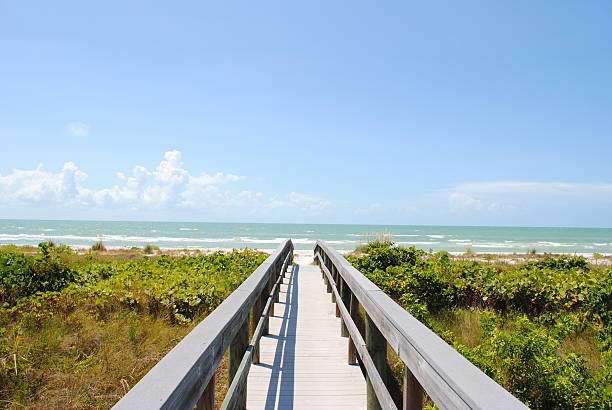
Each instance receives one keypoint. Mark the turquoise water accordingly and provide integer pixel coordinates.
(268, 236)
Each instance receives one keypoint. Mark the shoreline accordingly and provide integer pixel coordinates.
(306, 256)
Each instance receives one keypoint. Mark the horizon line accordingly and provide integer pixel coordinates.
(307, 223)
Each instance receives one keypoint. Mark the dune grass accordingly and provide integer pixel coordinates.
(86, 345)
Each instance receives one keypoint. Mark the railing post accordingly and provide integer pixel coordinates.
(345, 295)
(207, 400)
(255, 317)
(377, 347)
(263, 299)
(354, 311)
(331, 270)
(236, 351)
(413, 391)
(337, 279)
(327, 282)
(318, 261)
(278, 272)
(273, 278)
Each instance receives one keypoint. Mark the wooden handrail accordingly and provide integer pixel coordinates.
(449, 379)
(179, 379)
(382, 393)
(237, 385)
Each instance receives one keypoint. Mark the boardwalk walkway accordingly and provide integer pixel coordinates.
(304, 358)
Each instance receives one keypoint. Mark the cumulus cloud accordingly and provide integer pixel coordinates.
(77, 129)
(168, 185)
(39, 185)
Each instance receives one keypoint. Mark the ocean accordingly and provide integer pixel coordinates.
(266, 236)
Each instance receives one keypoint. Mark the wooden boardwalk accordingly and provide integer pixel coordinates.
(303, 361)
(304, 358)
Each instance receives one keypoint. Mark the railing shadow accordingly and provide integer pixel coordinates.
(282, 378)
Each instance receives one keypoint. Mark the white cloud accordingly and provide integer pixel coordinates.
(535, 188)
(42, 186)
(77, 129)
(302, 201)
(373, 208)
(495, 196)
(167, 187)
(461, 202)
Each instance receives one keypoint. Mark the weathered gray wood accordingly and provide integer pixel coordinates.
(449, 378)
(353, 311)
(333, 294)
(374, 379)
(345, 295)
(256, 316)
(236, 350)
(179, 379)
(236, 392)
(412, 392)
(377, 347)
(271, 283)
(303, 364)
(207, 401)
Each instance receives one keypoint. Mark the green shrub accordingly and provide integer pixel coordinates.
(150, 249)
(98, 246)
(530, 312)
(22, 275)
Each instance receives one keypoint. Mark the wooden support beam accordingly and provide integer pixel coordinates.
(236, 352)
(377, 347)
(331, 269)
(207, 401)
(354, 311)
(255, 317)
(345, 295)
(263, 299)
(278, 272)
(412, 392)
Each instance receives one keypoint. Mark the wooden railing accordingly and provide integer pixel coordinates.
(184, 378)
(430, 364)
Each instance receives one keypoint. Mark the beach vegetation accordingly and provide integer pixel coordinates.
(148, 249)
(541, 328)
(78, 331)
(98, 246)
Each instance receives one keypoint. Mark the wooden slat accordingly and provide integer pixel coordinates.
(303, 360)
(448, 377)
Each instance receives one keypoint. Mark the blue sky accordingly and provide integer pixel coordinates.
(461, 113)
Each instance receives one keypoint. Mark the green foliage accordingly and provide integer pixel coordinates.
(22, 275)
(98, 246)
(524, 359)
(148, 249)
(180, 287)
(531, 312)
(75, 334)
(550, 284)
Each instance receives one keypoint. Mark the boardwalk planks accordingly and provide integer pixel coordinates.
(303, 360)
